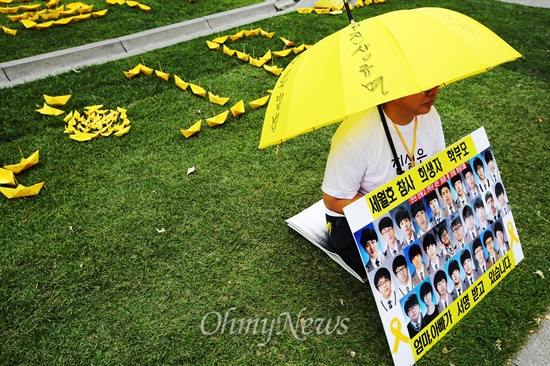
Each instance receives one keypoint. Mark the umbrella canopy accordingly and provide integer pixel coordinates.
(377, 60)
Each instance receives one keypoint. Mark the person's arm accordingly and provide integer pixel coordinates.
(338, 204)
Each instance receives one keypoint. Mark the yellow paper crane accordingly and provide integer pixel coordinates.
(197, 90)
(237, 109)
(7, 177)
(24, 163)
(218, 119)
(59, 100)
(216, 99)
(192, 130)
(180, 83)
(259, 102)
(50, 111)
(21, 191)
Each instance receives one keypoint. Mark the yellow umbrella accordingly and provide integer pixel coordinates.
(21, 191)
(7, 177)
(24, 163)
(377, 60)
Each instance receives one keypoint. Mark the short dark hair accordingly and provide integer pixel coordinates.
(488, 195)
(425, 289)
(366, 235)
(467, 211)
(467, 169)
(465, 254)
(488, 234)
(428, 240)
(398, 261)
(444, 185)
(414, 250)
(476, 244)
(430, 197)
(441, 227)
(499, 189)
(382, 272)
(417, 207)
(477, 163)
(498, 227)
(455, 179)
(456, 221)
(384, 223)
(453, 266)
(478, 203)
(401, 214)
(411, 301)
(488, 156)
(440, 276)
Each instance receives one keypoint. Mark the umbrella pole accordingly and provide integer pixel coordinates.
(348, 11)
(392, 146)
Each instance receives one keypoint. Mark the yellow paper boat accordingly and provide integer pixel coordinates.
(252, 32)
(304, 10)
(132, 4)
(24, 163)
(81, 136)
(379, 1)
(13, 10)
(282, 53)
(22, 191)
(50, 111)
(237, 36)
(11, 32)
(180, 83)
(85, 9)
(78, 18)
(162, 75)
(274, 69)
(30, 7)
(257, 62)
(299, 49)
(358, 4)
(18, 17)
(144, 7)
(197, 90)
(68, 12)
(7, 177)
(44, 25)
(228, 51)
(123, 131)
(243, 56)
(267, 34)
(213, 45)
(259, 102)
(51, 3)
(266, 56)
(6, 1)
(238, 108)
(217, 120)
(144, 69)
(60, 100)
(192, 130)
(287, 42)
(92, 108)
(216, 99)
(130, 74)
(63, 21)
(100, 13)
(220, 40)
(322, 10)
(28, 23)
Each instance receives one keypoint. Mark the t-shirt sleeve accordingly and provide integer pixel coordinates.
(346, 165)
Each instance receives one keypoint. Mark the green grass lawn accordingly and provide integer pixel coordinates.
(120, 20)
(123, 254)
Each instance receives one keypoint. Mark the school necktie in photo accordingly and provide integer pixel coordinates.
(471, 281)
(458, 291)
(445, 302)
(483, 268)
(493, 259)
(421, 276)
(377, 263)
(436, 266)
(389, 304)
(416, 327)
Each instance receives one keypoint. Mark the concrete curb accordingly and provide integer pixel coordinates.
(37, 67)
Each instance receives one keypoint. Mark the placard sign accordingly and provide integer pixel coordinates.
(435, 241)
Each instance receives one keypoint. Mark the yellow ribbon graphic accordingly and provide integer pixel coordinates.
(512, 234)
(395, 327)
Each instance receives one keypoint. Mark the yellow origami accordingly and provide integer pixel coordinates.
(266, 56)
(180, 83)
(238, 108)
(132, 3)
(162, 75)
(267, 34)
(228, 51)
(131, 73)
(198, 90)
(220, 40)
(13, 10)
(144, 7)
(123, 131)
(79, 136)
(50, 111)
(28, 23)
(44, 25)
(257, 62)
(11, 32)
(16, 18)
(218, 119)
(24, 163)
(30, 7)
(287, 42)
(80, 17)
(304, 10)
(243, 56)
(237, 36)
(85, 9)
(63, 21)
(144, 69)
(213, 45)
(299, 49)
(7, 177)
(92, 108)
(259, 102)
(60, 100)
(282, 53)
(216, 99)
(21, 191)
(274, 69)
(322, 11)
(252, 32)
(51, 3)
(192, 130)
(100, 13)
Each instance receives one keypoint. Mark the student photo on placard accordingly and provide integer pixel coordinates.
(432, 260)
(502, 244)
(420, 216)
(470, 180)
(483, 184)
(413, 312)
(417, 268)
(405, 224)
(370, 249)
(428, 298)
(448, 205)
(391, 244)
(435, 214)
(479, 208)
(468, 267)
(491, 206)
(462, 196)
(493, 172)
(489, 242)
(400, 269)
(471, 228)
(386, 295)
(480, 258)
(445, 241)
(503, 205)
(454, 272)
(457, 228)
(445, 297)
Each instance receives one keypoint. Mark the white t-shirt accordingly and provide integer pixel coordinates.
(360, 159)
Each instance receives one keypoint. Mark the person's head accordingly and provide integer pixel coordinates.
(443, 234)
(470, 178)
(489, 241)
(400, 269)
(454, 272)
(412, 105)
(499, 233)
(403, 220)
(480, 208)
(456, 181)
(426, 293)
(499, 192)
(440, 280)
(466, 260)
(468, 216)
(385, 226)
(412, 307)
(457, 228)
(479, 254)
(490, 161)
(415, 256)
(382, 280)
(429, 245)
(433, 202)
(445, 193)
(369, 241)
(418, 211)
(478, 167)
(490, 202)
